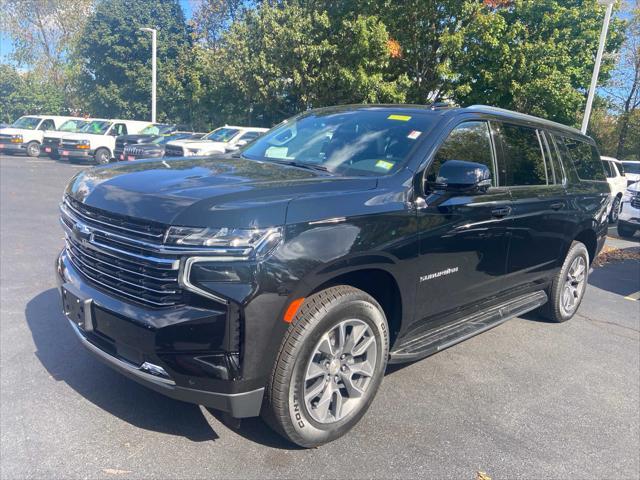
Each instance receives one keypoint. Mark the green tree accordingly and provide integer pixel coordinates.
(534, 56)
(282, 59)
(27, 93)
(114, 58)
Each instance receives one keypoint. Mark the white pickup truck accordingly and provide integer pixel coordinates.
(26, 134)
(221, 140)
(97, 140)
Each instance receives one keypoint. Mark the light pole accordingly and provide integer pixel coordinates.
(596, 68)
(153, 71)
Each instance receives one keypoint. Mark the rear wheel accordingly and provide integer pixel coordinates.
(568, 287)
(102, 156)
(625, 231)
(33, 149)
(329, 368)
(615, 210)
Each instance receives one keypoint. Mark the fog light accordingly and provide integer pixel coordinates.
(154, 370)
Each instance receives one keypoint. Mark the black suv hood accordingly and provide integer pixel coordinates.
(138, 138)
(215, 191)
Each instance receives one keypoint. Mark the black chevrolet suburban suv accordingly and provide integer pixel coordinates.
(281, 279)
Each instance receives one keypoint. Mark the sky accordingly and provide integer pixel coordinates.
(5, 41)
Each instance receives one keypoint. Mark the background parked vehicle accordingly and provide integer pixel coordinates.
(51, 140)
(221, 140)
(631, 171)
(155, 147)
(26, 134)
(629, 220)
(618, 183)
(96, 141)
(144, 136)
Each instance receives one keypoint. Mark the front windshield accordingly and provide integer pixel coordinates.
(223, 134)
(157, 129)
(72, 125)
(28, 123)
(96, 127)
(631, 167)
(368, 142)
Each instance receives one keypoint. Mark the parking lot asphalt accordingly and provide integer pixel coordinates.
(528, 399)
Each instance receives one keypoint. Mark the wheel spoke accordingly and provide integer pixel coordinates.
(322, 407)
(362, 368)
(341, 337)
(362, 347)
(336, 411)
(316, 390)
(326, 346)
(352, 389)
(315, 371)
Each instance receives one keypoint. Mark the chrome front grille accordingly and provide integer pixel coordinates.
(50, 141)
(122, 256)
(173, 151)
(4, 138)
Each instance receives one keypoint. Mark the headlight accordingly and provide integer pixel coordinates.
(241, 242)
(627, 195)
(84, 144)
(16, 138)
(192, 151)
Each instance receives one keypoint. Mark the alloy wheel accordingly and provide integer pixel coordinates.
(340, 371)
(574, 285)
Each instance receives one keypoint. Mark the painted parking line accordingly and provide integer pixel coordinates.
(634, 297)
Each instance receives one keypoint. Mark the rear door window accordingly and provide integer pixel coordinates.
(469, 141)
(608, 169)
(523, 161)
(584, 158)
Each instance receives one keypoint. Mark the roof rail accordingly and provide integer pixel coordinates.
(524, 116)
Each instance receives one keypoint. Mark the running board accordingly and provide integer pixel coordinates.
(467, 327)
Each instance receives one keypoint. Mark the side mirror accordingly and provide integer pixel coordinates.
(458, 176)
(241, 143)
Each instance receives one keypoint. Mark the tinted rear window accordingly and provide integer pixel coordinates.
(524, 162)
(584, 157)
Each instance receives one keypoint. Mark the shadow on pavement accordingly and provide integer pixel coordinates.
(621, 278)
(66, 360)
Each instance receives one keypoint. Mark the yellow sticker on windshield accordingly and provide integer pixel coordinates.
(402, 118)
(384, 165)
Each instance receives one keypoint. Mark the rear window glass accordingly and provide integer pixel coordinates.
(607, 168)
(523, 158)
(584, 157)
(632, 167)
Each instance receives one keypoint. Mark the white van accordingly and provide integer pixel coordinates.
(221, 140)
(25, 135)
(51, 140)
(97, 140)
(618, 183)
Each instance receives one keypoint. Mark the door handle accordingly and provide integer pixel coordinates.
(500, 212)
(557, 206)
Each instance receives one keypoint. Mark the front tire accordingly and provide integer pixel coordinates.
(331, 363)
(625, 231)
(615, 210)
(568, 287)
(102, 156)
(33, 149)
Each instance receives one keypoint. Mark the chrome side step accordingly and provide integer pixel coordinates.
(450, 334)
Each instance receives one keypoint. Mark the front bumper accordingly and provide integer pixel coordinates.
(75, 154)
(629, 214)
(189, 343)
(13, 147)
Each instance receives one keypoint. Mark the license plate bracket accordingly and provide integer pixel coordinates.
(77, 307)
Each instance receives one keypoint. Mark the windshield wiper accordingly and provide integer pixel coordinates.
(308, 166)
